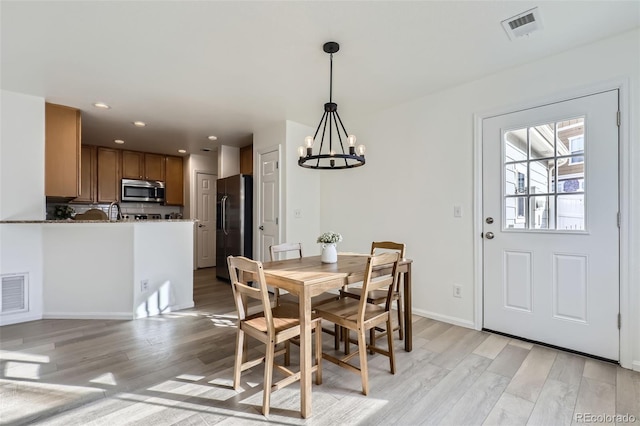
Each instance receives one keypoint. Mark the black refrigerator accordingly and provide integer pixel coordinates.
(234, 220)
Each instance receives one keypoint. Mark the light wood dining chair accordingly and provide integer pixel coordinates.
(360, 315)
(379, 297)
(276, 251)
(272, 326)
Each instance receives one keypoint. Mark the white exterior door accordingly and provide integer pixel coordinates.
(206, 215)
(268, 204)
(550, 232)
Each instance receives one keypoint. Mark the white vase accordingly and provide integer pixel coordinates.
(329, 253)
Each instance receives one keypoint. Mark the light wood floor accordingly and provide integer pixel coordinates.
(176, 369)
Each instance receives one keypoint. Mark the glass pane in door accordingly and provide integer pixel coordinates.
(541, 162)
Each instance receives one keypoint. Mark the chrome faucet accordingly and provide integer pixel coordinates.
(119, 213)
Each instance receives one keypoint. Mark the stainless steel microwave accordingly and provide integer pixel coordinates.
(145, 191)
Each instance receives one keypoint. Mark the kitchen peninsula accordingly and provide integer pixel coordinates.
(110, 270)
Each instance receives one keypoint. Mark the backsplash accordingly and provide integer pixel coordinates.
(127, 208)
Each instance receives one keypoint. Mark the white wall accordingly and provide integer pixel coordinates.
(228, 161)
(302, 191)
(88, 270)
(22, 159)
(162, 256)
(22, 194)
(94, 270)
(420, 164)
(299, 188)
(21, 252)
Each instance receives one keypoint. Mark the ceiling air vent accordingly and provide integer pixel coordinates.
(523, 23)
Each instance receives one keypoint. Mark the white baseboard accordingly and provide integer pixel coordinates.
(89, 315)
(444, 318)
(635, 365)
(8, 319)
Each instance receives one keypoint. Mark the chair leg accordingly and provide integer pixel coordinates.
(287, 353)
(346, 334)
(400, 319)
(237, 368)
(392, 358)
(268, 375)
(372, 338)
(319, 352)
(364, 371)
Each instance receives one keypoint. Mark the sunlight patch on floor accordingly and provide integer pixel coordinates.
(105, 379)
(42, 397)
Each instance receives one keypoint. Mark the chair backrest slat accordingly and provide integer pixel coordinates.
(284, 248)
(387, 262)
(241, 270)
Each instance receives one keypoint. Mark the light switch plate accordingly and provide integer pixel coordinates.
(457, 211)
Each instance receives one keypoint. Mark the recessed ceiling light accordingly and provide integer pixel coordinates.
(212, 138)
(182, 151)
(118, 141)
(206, 149)
(101, 105)
(139, 123)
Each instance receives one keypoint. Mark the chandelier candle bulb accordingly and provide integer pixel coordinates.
(301, 151)
(361, 150)
(308, 141)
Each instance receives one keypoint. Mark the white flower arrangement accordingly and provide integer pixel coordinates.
(330, 238)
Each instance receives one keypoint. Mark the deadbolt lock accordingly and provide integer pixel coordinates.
(489, 220)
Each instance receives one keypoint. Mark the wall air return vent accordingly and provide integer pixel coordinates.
(523, 23)
(14, 294)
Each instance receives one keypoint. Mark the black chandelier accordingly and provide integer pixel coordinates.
(331, 159)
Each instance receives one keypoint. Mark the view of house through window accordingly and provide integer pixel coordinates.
(544, 176)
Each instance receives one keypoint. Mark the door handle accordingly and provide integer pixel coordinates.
(200, 225)
(489, 235)
(261, 228)
(224, 215)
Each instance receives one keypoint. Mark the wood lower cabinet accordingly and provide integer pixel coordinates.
(108, 183)
(62, 151)
(174, 182)
(88, 175)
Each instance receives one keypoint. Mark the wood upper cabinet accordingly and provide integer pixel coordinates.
(246, 160)
(174, 183)
(154, 167)
(132, 165)
(88, 175)
(108, 183)
(140, 165)
(62, 151)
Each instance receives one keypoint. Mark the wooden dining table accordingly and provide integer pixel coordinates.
(307, 277)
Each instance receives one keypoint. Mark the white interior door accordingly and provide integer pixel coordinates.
(550, 237)
(268, 204)
(206, 215)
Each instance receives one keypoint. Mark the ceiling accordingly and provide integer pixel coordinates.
(191, 69)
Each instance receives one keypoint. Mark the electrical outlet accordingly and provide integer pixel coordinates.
(457, 291)
(144, 285)
(297, 213)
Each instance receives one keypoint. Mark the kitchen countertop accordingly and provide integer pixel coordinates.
(96, 221)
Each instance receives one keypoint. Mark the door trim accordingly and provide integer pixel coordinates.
(257, 191)
(624, 199)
